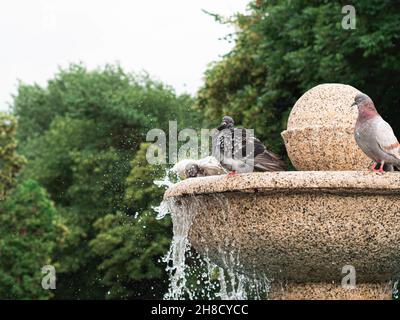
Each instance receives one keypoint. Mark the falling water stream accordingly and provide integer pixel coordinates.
(194, 276)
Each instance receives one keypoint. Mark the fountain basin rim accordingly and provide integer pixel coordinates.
(362, 182)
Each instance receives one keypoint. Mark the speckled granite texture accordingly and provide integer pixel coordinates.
(329, 291)
(320, 130)
(292, 181)
(299, 227)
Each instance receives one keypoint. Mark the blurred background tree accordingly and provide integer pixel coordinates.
(30, 227)
(81, 135)
(10, 162)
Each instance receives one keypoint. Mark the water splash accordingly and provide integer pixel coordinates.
(162, 210)
(395, 289)
(166, 181)
(194, 276)
(238, 286)
(179, 249)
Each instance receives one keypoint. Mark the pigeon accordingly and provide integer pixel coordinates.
(375, 136)
(237, 160)
(208, 166)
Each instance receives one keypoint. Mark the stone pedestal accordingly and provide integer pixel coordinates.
(299, 227)
(320, 131)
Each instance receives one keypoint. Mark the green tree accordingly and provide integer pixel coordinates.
(10, 162)
(29, 225)
(80, 134)
(283, 48)
(29, 232)
(122, 105)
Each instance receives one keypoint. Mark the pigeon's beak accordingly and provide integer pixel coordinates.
(354, 104)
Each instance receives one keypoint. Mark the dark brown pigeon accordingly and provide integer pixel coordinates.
(375, 136)
(258, 158)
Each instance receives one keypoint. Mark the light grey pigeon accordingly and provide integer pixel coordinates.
(247, 153)
(375, 136)
(189, 168)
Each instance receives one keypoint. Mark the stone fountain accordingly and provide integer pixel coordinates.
(301, 228)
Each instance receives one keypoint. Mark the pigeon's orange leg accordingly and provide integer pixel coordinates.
(374, 166)
(232, 173)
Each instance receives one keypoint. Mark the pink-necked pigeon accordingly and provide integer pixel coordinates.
(375, 136)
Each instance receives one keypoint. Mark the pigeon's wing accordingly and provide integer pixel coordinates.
(386, 139)
(240, 137)
(259, 147)
(215, 147)
(269, 161)
(258, 157)
(244, 140)
(214, 170)
(211, 166)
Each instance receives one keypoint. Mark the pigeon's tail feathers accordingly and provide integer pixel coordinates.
(269, 161)
(386, 139)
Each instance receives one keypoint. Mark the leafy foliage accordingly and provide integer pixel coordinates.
(82, 153)
(10, 162)
(30, 227)
(29, 231)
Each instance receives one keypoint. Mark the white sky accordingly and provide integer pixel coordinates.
(171, 39)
